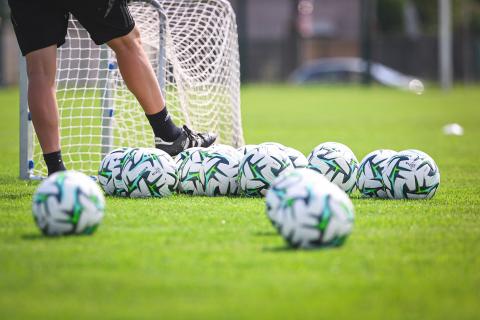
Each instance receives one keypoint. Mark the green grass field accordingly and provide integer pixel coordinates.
(186, 257)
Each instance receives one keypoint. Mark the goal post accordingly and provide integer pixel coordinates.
(193, 48)
(26, 129)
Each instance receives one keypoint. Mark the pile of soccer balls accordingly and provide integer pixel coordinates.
(310, 207)
(408, 174)
(306, 198)
(220, 170)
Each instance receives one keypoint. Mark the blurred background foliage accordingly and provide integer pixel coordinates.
(277, 37)
(390, 15)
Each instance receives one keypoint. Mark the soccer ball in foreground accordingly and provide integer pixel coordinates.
(68, 202)
(192, 174)
(276, 194)
(308, 210)
(411, 175)
(109, 173)
(149, 172)
(336, 162)
(259, 167)
(220, 168)
(369, 176)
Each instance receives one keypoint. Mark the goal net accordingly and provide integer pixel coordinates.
(193, 47)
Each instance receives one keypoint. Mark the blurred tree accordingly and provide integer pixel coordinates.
(475, 17)
(367, 19)
(428, 13)
(293, 40)
(389, 16)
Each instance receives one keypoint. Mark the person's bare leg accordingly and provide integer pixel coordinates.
(137, 71)
(41, 68)
(138, 74)
(140, 78)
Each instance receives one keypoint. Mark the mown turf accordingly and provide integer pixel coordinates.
(187, 257)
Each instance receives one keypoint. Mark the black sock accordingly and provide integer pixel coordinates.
(54, 162)
(163, 126)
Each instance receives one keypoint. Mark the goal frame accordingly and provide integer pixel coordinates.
(27, 136)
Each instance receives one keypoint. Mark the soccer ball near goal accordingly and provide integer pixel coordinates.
(243, 150)
(225, 149)
(259, 167)
(192, 174)
(297, 158)
(109, 173)
(182, 156)
(369, 176)
(149, 172)
(336, 162)
(273, 144)
(411, 174)
(308, 210)
(68, 202)
(221, 171)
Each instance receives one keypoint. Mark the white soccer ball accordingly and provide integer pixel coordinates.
(120, 187)
(416, 86)
(336, 162)
(259, 167)
(273, 144)
(243, 150)
(411, 174)
(68, 202)
(369, 176)
(419, 153)
(192, 173)
(220, 168)
(109, 173)
(225, 149)
(278, 190)
(308, 210)
(149, 172)
(297, 158)
(182, 156)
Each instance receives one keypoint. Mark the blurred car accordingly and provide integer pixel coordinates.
(348, 70)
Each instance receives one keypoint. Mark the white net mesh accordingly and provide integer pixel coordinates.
(193, 47)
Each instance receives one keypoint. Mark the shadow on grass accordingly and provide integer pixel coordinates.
(373, 199)
(286, 248)
(265, 233)
(15, 196)
(283, 248)
(35, 236)
(394, 201)
(40, 236)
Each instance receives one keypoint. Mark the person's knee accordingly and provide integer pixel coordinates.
(130, 42)
(42, 66)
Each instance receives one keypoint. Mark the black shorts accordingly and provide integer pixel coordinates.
(41, 23)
